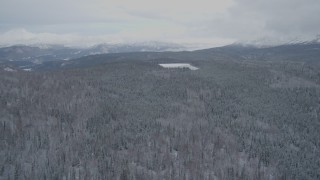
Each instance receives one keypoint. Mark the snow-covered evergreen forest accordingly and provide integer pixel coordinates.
(134, 120)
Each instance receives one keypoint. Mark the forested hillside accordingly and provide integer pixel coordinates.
(134, 120)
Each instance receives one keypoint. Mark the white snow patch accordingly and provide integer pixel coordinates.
(37, 61)
(179, 65)
(175, 153)
(29, 69)
(78, 52)
(9, 69)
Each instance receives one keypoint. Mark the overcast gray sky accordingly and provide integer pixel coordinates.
(213, 22)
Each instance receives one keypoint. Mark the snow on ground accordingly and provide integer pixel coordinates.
(9, 69)
(78, 52)
(179, 65)
(29, 69)
(37, 61)
(63, 64)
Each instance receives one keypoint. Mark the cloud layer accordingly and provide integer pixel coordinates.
(212, 22)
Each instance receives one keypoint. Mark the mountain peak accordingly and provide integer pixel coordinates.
(272, 42)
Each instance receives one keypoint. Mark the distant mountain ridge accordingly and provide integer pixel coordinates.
(271, 42)
(302, 51)
(55, 57)
(31, 55)
(18, 51)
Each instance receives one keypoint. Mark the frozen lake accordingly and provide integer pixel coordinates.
(179, 65)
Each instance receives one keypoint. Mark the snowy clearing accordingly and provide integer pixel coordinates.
(29, 69)
(9, 69)
(179, 65)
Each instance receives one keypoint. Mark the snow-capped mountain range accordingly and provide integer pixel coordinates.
(47, 52)
(37, 56)
(271, 42)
